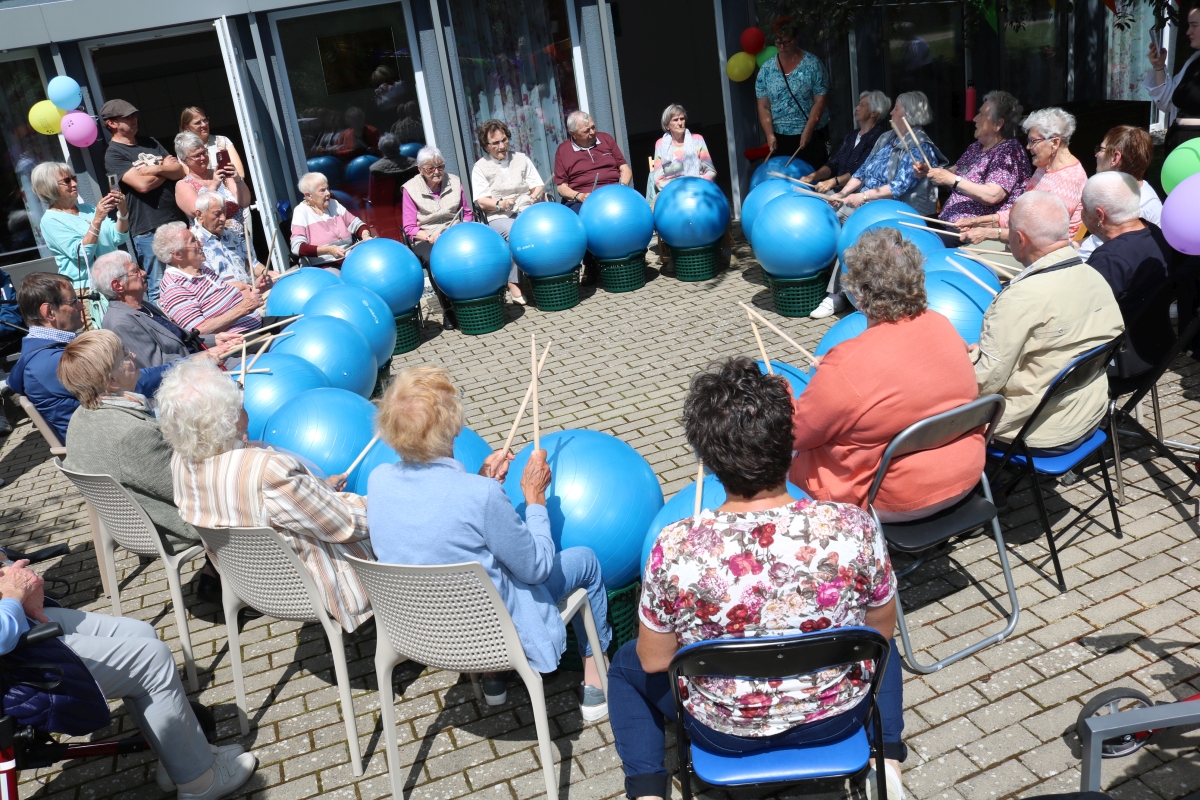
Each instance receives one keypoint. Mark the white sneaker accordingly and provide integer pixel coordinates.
(832, 304)
(227, 752)
(895, 788)
(228, 777)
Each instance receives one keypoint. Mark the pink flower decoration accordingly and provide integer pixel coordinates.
(827, 595)
(744, 564)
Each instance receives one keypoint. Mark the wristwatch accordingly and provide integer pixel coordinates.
(954, 188)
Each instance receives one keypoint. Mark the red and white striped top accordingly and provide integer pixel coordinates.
(190, 299)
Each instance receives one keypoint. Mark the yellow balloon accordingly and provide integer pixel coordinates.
(46, 118)
(739, 67)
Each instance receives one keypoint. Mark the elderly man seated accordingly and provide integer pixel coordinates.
(54, 312)
(193, 296)
(1053, 311)
(225, 251)
(220, 483)
(129, 662)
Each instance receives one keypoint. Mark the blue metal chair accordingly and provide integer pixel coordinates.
(1079, 373)
(772, 657)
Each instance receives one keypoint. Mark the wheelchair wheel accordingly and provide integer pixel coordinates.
(1112, 701)
(208, 723)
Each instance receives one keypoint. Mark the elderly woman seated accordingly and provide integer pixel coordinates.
(703, 571)
(432, 201)
(322, 229)
(680, 152)
(225, 249)
(859, 143)
(908, 364)
(426, 509)
(193, 296)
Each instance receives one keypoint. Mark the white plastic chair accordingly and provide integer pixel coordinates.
(452, 617)
(122, 521)
(259, 569)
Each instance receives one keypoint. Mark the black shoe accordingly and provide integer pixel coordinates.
(208, 588)
(249, 613)
(449, 321)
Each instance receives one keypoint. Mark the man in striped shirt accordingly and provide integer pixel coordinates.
(193, 296)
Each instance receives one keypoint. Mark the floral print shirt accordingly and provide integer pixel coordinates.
(802, 567)
(807, 80)
(1005, 165)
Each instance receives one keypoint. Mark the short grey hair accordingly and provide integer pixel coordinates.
(108, 268)
(916, 108)
(429, 153)
(310, 181)
(206, 199)
(575, 118)
(1117, 193)
(185, 143)
(1042, 217)
(45, 177)
(878, 102)
(198, 409)
(1004, 107)
(885, 273)
(1052, 123)
(168, 240)
(672, 111)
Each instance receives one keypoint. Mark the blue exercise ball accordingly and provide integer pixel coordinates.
(926, 240)
(843, 330)
(870, 213)
(328, 426)
(618, 222)
(335, 347)
(410, 149)
(470, 450)
(292, 291)
(547, 239)
(328, 166)
(469, 261)
(797, 377)
(759, 196)
(691, 212)
(346, 201)
(363, 309)
(683, 505)
(795, 236)
(389, 269)
(960, 300)
(264, 393)
(945, 260)
(796, 169)
(602, 495)
(359, 169)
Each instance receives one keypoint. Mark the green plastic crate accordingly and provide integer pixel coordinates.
(797, 297)
(408, 332)
(557, 293)
(623, 274)
(695, 263)
(480, 316)
(622, 618)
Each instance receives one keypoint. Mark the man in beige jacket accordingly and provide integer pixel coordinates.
(1055, 310)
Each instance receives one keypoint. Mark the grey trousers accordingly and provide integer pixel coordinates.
(128, 661)
(503, 225)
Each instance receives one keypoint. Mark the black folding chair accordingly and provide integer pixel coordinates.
(817, 766)
(1084, 369)
(935, 533)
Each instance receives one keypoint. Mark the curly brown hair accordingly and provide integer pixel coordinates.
(485, 131)
(885, 273)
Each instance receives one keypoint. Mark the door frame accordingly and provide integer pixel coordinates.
(31, 53)
(735, 187)
(86, 46)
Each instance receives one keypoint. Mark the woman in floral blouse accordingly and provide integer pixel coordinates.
(760, 564)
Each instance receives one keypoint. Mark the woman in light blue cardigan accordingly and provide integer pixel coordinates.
(427, 510)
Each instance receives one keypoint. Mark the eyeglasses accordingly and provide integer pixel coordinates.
(433, 168)
(1032, 142)
(1100, 148)
(128, 357)
(68, 181)
(496, 142)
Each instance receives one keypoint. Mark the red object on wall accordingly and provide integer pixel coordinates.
(970, 111)
(753, 40)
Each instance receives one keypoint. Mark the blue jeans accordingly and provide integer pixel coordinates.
(639, 702)
(578, 568)
(146, 259)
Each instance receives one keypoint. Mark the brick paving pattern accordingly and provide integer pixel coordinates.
(998, 724)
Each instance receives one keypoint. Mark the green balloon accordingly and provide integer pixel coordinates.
(766, 54)
(1184, 162)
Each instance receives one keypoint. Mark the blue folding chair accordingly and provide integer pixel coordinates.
(1084, 369)
(773, 657)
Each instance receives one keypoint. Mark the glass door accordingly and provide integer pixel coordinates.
(925, 47)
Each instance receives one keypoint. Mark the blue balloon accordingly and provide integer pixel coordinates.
(389, 269)
(762, 194)
(469, 449)
(410, 149)
(264, 393)
(335, 347)
(795, 236)
(328, 166)
(941, 262)
(363, 309)
(960, 300)
(870, 213)
(683, 506)
(347, 202)
(796, 169)
(602, 495)
(359, 170)
(292, 291)
(64, 92)
(843, 330)
(547, 239)
(330, 427)
(797, 377)
(469, 261)
(691, 212)
(618, 222)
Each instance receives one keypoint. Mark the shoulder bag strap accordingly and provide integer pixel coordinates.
(788, 84)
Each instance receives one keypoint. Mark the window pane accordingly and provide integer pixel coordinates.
(24, 149)
(925, 54)
(1037, 62)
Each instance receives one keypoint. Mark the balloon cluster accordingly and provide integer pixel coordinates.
(755, 53)
(58, 114)
(1181, 182)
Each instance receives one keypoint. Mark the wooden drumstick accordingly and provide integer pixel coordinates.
(528, 394)
(761, 348)
(968, 273)
(533, 368)
(362, 455)
(786, 338)
(699, 492)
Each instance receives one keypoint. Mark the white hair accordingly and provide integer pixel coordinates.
(198, 409)
(45, 177)
(169, 239)
(310, 181)
(429, 153)
(916, 108)
(108, 268)
(1117, 193)
(878, 102)
(1051, 123)
(1042, 217)
(672, 111)
(206, 199)
(576, 117)
(185, 143)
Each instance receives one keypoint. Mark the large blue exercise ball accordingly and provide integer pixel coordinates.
(359, 169)
(691, 212)
(960, 300)
(795, 236)
(330, 427)
(363, 309)
(389, 269)
(292, 291)
(945, 261)
(759, 196)
(870, 213)
(683, 506)
(410, 149)
(795, 169)
(797, 377)
(925, 239)
(843, 330)
(287, 377)
(547, 239)
(618, 222)
(328, 166)
(469, 261)
(335, 347)
(470, 450)
(346, 201)
(602, 495)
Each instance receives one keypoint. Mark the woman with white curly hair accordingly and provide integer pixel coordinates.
(323, 229)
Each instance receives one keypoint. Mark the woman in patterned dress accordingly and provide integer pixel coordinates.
(791, 89)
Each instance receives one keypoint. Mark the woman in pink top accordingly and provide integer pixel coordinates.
(1056, 171)
(680, 152)
(907, 365)
(322, 229)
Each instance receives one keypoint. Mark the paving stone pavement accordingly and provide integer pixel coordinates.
(998, 724)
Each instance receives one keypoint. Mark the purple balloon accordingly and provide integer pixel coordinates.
(1179, 216)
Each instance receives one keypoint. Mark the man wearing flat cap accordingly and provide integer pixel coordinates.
(148, 174)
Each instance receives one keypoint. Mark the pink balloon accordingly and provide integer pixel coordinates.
(1179, 216)
(79, 129)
